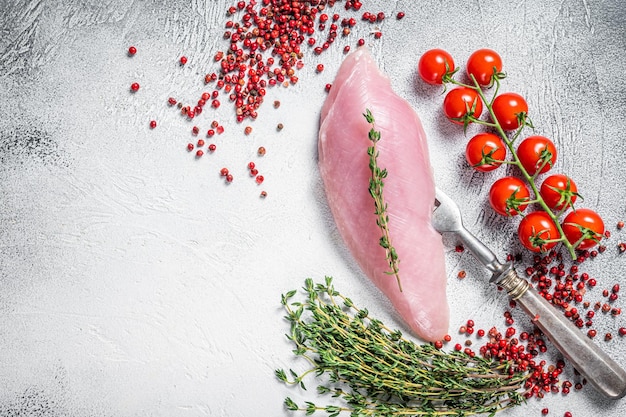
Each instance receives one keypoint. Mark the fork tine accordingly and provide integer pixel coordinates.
(446, 215)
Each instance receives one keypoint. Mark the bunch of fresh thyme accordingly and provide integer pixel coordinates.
(376, 185)
(377, 372)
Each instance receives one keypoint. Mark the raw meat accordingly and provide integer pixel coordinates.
(409, 191)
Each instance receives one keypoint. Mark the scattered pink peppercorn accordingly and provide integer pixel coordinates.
(224, 172)
(263, 194)
(545, 411)
(319, 68)
(622, 331)
(132, 51)
(183, 60)
(171, 101)
(199, 153)
(200, 142)
(261, 151)
(134, 86)
(229, 178)
(259, 179)
(190, 146)
(400, 15)
(153, 124)
(378, 35)
(212, 147)
(361, 42)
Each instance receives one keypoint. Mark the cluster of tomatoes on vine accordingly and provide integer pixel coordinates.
(507, 116)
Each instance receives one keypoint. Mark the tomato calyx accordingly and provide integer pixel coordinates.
(515, 204)
(468, 117)
(488, 159)
(590, 236)
(448, 76)
(566, 196)
(524, 121)
(496, 77)
(545, 159)
(539, 242)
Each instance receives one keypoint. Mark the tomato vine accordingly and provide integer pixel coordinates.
(507, 119)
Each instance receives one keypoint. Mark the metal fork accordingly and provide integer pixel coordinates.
(594, 364)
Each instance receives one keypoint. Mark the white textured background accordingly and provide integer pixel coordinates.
(135, 282)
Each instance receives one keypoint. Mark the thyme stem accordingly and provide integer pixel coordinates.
(376, 184)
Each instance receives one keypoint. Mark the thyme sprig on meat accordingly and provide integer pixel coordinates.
(371, 370)
(376, 185)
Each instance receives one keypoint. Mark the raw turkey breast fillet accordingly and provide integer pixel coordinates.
(409, 191)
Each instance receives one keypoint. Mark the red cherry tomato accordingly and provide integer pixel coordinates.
(461, 103)
(510, 109)
(583, 224)
(536, 152)
(509, 196)
(558, 191)
(536, 230)
(485, 152)
(483, 64)
(434, 64)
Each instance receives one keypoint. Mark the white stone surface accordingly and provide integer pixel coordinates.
(135, 282)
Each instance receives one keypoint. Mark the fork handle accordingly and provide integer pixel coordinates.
(479, 250)
(594, 364)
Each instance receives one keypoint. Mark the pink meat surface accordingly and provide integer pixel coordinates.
(409, 191)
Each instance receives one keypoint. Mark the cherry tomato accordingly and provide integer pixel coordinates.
(461, 103)
(536, 152)
(510, 109)
(483, 64)
(558, 191)
(583, 224)
(509, 196)
(535, 230)
(434, 64)
(485, 151)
